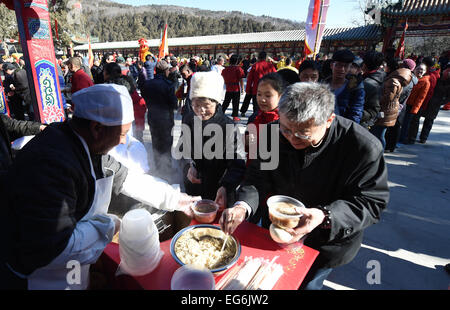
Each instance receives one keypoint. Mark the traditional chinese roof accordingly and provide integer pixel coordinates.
(418, 7)
(369, 33)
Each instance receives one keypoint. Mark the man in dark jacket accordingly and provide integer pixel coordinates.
(15, 102)
(10, 130)
(98, 74)
(332, 165)
(373, 84)
(159, 95)
(22, 90)
(69, 180)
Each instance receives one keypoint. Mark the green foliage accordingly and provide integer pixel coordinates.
(133, 27)
(111, 21)
(8, 24)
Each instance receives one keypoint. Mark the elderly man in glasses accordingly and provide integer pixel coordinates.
(331, 164)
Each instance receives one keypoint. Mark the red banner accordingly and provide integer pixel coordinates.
(33, 20)
(401, 45)
(316, 14)
(56, 29)
(164, 47)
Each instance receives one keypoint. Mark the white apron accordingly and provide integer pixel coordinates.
(70, 270)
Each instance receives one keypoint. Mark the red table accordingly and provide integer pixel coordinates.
(296, 260)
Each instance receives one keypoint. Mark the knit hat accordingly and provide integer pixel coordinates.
(162, 65)
(410, 64)
(207, 85)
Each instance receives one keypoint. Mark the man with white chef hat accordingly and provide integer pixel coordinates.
(61, 225)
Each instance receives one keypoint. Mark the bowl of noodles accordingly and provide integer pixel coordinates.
(201, 245)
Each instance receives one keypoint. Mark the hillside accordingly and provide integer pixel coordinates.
(112, 21)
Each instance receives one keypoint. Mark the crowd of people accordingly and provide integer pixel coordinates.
(335, 116)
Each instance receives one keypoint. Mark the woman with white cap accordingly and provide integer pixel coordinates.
(213, 176)
(54, 233)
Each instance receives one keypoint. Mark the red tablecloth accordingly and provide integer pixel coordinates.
(296, 260)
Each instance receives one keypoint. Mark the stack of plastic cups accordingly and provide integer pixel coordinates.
(139, 246)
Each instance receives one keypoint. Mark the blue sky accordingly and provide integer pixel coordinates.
(340, 14)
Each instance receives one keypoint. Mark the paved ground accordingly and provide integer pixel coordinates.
(411, 243)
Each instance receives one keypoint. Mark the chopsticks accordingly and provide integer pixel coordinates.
(224, 243)
(252, 274)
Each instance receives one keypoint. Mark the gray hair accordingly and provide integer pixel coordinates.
(301, 102)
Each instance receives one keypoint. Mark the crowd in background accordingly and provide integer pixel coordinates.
(384, 94)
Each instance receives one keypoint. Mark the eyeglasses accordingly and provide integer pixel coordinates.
(298, 135)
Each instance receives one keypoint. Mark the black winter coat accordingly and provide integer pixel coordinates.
(347, 173)
(50, 188)
(373, 86)
(159, 95)
(215, 172)
(10, 130)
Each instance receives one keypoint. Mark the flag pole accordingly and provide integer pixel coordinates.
(318, 29)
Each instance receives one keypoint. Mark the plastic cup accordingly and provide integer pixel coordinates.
(192, 278)
(136, 224)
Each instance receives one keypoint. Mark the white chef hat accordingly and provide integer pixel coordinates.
(108, 104)
(207, 85)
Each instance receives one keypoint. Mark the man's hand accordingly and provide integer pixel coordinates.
(311, 218)
(232, 218)
(185, 204)
(192, 176)
(221, 198)
(117, 222)
(42, 127)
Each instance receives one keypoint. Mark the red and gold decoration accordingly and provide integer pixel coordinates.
(143, 49)
(33, 21)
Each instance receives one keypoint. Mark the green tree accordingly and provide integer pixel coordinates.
(8, 24)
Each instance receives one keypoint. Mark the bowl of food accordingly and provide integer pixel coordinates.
(200, 245)
(283, 211)
(205, 211)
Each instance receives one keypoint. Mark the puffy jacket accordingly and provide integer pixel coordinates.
(434, 76)
(159, 94)
(373, 86)
(418, 94)
(11, 129)
(217, 172)
(392, 89)
(350, 102)
(257, 71)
